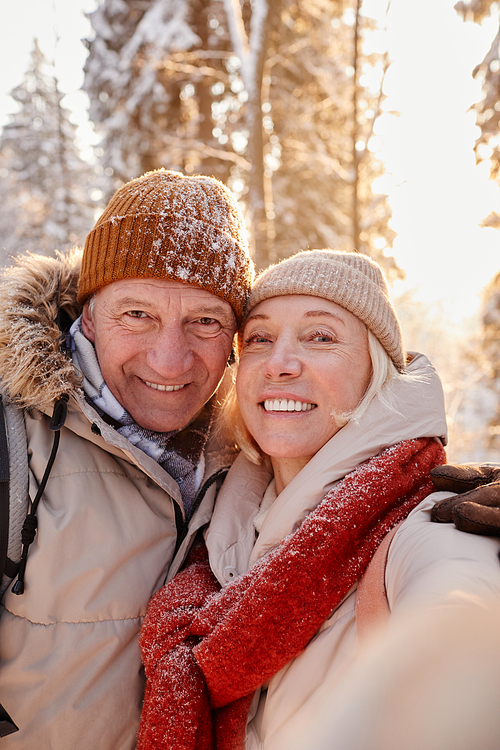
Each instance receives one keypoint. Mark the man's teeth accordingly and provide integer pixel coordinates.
(286, 404)
(158, 387)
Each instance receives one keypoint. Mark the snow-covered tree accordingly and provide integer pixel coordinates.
(490, 351)
(488, 109)
(10, 214)
(267, 96)
(322, 118)
(47, 182)
(152, 75)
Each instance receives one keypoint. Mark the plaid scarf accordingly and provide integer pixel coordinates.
(179, 452)
(206, 651)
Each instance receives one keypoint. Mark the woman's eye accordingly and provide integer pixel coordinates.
(322, 337)
(257, 338)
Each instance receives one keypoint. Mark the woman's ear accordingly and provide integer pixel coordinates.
(87, 323)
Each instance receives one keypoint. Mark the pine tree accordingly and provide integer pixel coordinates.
(262, 95)
(47, 181)
(10, 213)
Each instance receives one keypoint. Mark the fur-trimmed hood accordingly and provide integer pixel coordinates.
(34, 370)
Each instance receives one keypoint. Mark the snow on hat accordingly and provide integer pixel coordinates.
(352, 280)
(166, 225)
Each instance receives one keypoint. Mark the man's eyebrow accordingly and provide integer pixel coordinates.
(132, 302)
(212, 310)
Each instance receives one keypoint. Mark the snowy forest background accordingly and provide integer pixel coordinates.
(277, 98)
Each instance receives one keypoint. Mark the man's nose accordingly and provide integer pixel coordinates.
(169, 352)
(283, 361)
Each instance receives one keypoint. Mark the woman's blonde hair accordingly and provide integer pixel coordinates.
(232, 425)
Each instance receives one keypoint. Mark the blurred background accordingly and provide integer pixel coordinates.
(355, 124)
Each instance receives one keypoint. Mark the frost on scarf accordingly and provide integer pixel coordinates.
(240, 637)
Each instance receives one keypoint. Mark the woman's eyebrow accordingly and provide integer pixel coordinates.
(321, 313)
(308, 314)
(257, 316)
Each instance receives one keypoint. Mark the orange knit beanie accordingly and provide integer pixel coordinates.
(166, 225)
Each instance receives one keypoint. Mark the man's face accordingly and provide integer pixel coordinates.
(162, 347)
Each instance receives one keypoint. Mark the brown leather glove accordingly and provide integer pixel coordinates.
(476, 507)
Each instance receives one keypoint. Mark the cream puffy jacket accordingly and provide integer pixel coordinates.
(429, 565)
(70, 666)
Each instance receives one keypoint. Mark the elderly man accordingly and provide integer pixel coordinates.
(164, 277)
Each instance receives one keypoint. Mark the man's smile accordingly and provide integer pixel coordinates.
(158, 387)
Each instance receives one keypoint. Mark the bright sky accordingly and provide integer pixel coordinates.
(438, 195)
(21, 22)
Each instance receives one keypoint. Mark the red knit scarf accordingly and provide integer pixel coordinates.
(205, 652)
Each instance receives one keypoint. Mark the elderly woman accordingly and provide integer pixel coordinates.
(338, 431)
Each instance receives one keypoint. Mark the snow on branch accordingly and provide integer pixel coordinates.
(162, 28)
(203, 148)
(197, 71)
(493, 54)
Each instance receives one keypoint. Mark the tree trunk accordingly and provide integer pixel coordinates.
(209, 164)
(257, 183)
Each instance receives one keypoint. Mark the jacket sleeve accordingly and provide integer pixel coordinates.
(431, 679)
(434, 565)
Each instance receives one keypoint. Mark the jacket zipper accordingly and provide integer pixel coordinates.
(182, 525)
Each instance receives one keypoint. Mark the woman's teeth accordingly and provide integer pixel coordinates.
(287, 404)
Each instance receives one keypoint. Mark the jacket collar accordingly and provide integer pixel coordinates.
(410, 408)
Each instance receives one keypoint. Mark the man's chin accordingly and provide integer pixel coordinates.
(165, 420)
(166, 423)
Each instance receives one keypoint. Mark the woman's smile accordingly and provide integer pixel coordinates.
(286, 405)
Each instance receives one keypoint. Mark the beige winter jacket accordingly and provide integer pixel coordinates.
(70, 667)
(428, 565)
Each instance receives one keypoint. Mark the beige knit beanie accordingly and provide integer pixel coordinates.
(166, 225)
(352, 280)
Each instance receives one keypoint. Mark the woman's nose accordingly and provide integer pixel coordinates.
(283, 361)
(169, 353)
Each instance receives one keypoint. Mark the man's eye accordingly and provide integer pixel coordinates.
(136, 313)
(207, 321)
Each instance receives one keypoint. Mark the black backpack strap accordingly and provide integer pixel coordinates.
(7, 726)
(4, 490)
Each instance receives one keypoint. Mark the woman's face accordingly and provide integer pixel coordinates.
(304, 360)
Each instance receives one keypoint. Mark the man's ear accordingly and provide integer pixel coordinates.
(87, 323)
